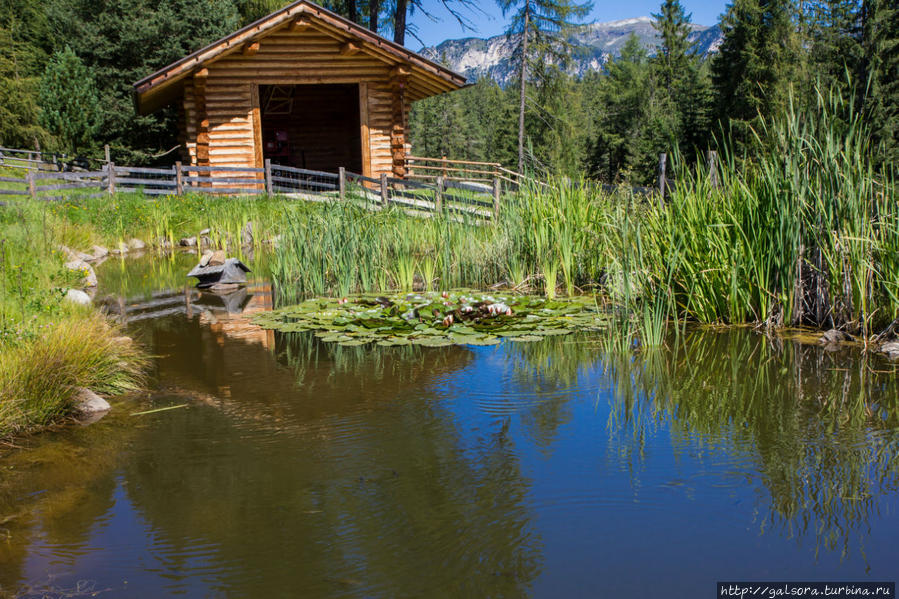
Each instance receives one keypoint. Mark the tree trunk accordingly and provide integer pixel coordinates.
(351, 12)
(523, 71)
(399, 22)
(374, 7)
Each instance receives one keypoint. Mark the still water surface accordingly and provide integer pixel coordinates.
(537, 469)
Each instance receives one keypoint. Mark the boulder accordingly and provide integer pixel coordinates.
(833, 337)
(246, 236)
(218, 258)
(77, 296)
(89, 407)
(204, 259)
(188, 242)
(90, 277)
(88, 402)
(136, 244)
(232, 271)
(891, 349)
(205, 231)
(99, 252)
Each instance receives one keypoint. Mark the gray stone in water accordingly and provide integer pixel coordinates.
(204, 259)
(100, 252)
(246, 235)
(891, 349)
(833, 336)
(188, 242)
(233, 271)
(206, 231)
(89, 406)
(218, 258)
(136, 244)
(76, 296)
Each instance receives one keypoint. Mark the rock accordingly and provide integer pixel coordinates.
(891, 349)
(833, 336)
(164, 243)
(232, 271)
(123, 340)
(90, 277)
(204, 259)
(218, 258)
(188, 242)
(76, 296)
(89, 406)
(88, 402)
(205, 241)
(100, 252)
(136, 244)
(206, 231)
(246, 236)
(225, 287)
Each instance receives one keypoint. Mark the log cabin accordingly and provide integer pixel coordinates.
(302, 87)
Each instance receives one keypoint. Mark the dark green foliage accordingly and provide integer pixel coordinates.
(70, 108)
(23, 53)
(122, 41)
(756, 62)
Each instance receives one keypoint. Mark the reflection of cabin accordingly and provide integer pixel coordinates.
(303, 87)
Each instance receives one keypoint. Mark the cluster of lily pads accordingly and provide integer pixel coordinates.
(434, 319)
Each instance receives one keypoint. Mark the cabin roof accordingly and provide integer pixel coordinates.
(427, 78)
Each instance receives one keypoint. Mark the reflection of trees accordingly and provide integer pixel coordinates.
(820, 426)
(358, 481)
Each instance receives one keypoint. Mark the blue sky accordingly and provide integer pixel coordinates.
(490, 21)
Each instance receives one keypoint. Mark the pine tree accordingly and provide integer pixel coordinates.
(122, 41)
(682, 82)
(23, 54)
(756, 62)
(70, 108)
(539, 27)
(882, 31)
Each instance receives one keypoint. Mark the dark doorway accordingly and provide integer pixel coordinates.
(314, 127)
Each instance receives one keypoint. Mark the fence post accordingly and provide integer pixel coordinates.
(179, 179)
(32, 190)
(110, 177)
(663, 159)
(269, 188)
(438, 195)
(384, 196)
(497, 191)
(341, 183)
(713, 168)
(107, 153)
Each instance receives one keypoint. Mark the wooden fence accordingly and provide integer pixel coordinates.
(443, 195)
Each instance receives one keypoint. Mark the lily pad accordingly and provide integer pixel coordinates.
(460, 317)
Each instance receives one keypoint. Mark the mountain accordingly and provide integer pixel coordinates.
(592, 46)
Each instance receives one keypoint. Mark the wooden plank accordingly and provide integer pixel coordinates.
(230, 181)
(13, 192)
(124, 170)
(300, 183)
(140, 181)
(256, 117)
(250, 48)
(206, 169)
(302, 171)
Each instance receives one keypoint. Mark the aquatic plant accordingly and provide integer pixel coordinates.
(434, 320)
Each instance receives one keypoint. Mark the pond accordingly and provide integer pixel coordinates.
(293, 467)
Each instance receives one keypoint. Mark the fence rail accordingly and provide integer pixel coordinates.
(457, 198)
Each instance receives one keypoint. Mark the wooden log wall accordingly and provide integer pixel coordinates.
(222, 117)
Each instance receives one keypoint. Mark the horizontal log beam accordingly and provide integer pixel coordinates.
(250, 49)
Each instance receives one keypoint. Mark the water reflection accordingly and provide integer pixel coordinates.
(815, 432)
(544, 468)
